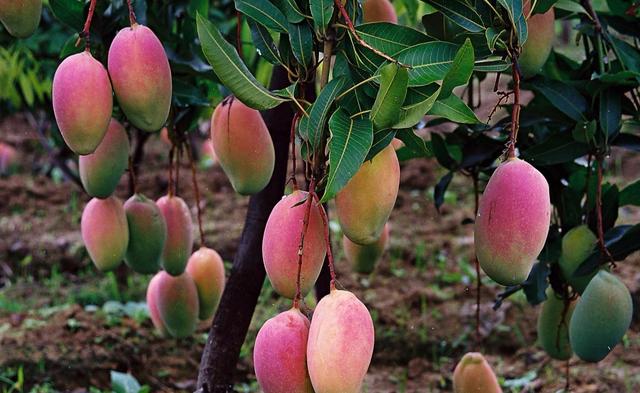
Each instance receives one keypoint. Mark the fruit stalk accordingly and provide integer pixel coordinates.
(292, 143)
(196, 191)
(87, 25)
(132, 15)
(303, 233)
(476, 200)
(603, 247)
(515, 113)
(327, 239)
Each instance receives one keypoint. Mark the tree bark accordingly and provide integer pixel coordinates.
(240, 296)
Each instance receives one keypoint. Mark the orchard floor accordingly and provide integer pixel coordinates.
(64, 326)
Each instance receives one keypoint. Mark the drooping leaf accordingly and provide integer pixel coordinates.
(564, 97)
(517, 17)
(536, 284)
(440, 151)
(621, 241)
(460, 70)
(301, 40)
(430, 61)
(557, 149)
(630, 195)
(454, 109)
(441, 188)
(610, 108)
(393, 89)
(460, 13)
(124, 383)
(290, 9)
(264, 13)
(418, 102)
(321, 11)
(311, 127)
(414, 143)
(381, 139)
(264, 43)
(69, 12)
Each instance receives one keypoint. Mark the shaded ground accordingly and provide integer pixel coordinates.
(55, 324)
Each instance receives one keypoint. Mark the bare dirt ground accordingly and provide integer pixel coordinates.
(421, 296)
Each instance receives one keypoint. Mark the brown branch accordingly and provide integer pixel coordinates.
(592, 13)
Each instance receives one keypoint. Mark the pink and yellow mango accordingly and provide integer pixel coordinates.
(82, 102)
(513, 221)
(536, 50)
(141, 77)
(179, 243)
(243, 145)
(20, 17)
(280, 354)
(340, 346)
(363, 206)
(281, 242)
(206, 268)
(474, 375)
(147, 234)
(100, 171)
(152, 305)
(105, 232)
(363, 259)
(177, 302)
(378, 11)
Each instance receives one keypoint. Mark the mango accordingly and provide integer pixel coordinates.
(601, 317)
(177, 300)
(82, 102)
(206, 268)
(100, 171)
(577, 244)
(474, 375)
(536, 50)
(105, 232)
(363, 259)
(243, 145)
(281, 242)
(553, 326)
(9, 159)
(363, 206)
(378, 11)
(20, 17)
(147, 234)
(152, 305)
(340, 346)
(280, 354)
(513, 221)
(177, 247)
(141, 77)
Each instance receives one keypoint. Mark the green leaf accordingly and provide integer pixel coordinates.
(414, 143)
(543, 6)
(230, 69)
(491, 65)
(441, 152)
(290, 9)
(454, 109)
(419, 101)
(460, 70)
(263, 12)
(301, 40)
(311, 127)
(124, 383)
(621, 241)
(492, 35)
(381, 139)
(350, 142)
(460, 13)
(393, 89)
(610, 109)
(564, 97)
(430, 61)
(264, 43)
(630, 195)
(517, 17)
(321, 11)
(70, 47)
(69, 12)
(557, 149)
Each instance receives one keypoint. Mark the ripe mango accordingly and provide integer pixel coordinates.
(280, 354)
(141, 77)
(281, 242)
(20, 17)
(340, 345)
(105, 232)
(553, 326)
(152, 305)
(243, 145)
(206, 268)
(364, 258)
(378, 11)
(601, 317)
(177, 300)
(147, 234)
(536, 50)
(82, 102)
(363, 206)
(513, 221)
(177, 247)
(100, 171)
(577, 244)
(474, 375)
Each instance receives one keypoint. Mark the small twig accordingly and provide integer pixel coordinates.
(196, 190)
(476, 194)
(132, 15)
(85, 34)
(303, 234)
(515, 113)
(327, 240)
(292, 143)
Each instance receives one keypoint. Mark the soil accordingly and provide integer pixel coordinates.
(421, 295)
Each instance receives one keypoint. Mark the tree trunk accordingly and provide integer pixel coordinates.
(240, 296)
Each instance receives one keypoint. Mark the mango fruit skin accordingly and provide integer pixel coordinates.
(82, 102)
(340, 346)
(577, 244)
(206, 268)
(541, 34)
(363, 206)
(105, 232)
(100, 171)
(281, 241)
(177, 247)
(474, 375)
(141, 77)
(20, 17)
(553, 327)
(280, 354)
(378, 11)
(363, 259)
(243, 145)
(601, 317)
(177, 300)
(147, 234)
(513, 221)
(152, 305)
